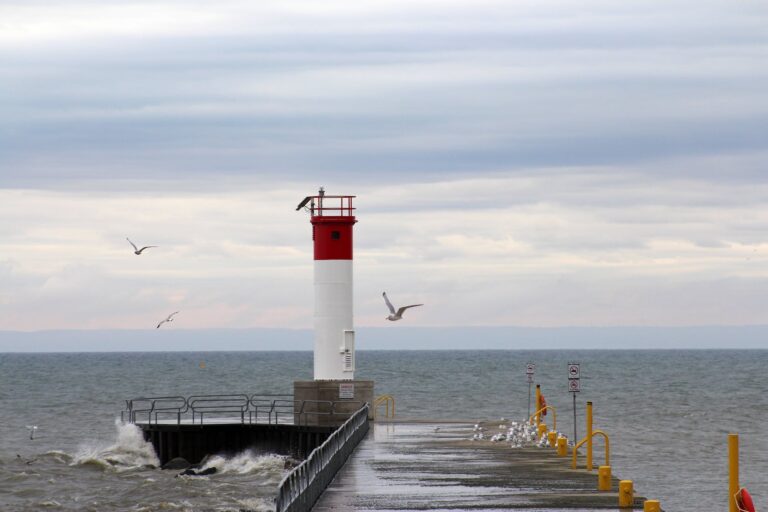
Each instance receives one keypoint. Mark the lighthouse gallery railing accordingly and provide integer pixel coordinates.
(301, 488)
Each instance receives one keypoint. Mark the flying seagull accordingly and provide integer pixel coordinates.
(169, 319)
(396, 315)
(136, 250)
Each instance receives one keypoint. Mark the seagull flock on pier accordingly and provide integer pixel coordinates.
(518, 434)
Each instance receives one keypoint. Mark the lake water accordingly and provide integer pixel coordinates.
(668, 414)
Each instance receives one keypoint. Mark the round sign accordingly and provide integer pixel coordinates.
(573, 371)
(574, 385)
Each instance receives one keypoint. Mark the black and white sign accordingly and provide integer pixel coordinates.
(530, 368)
(530, 378)
(574, 378)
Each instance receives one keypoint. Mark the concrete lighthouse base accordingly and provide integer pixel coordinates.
(348, 396)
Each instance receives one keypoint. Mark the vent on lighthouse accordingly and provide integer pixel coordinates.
(348, 351)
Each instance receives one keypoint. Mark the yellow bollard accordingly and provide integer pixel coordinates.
(562, 446)
(733, 471)
(651, 506)
(542, 430)
(626, 494)
(589, 436)
(552, 438)
(604, 478)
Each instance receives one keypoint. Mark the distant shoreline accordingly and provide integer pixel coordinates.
(753, 337)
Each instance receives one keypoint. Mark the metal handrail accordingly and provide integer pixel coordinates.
(607, 447)
(301, 413)
(546, 408)
(271, 409)
(386, 400)
(221, 404)
(178, 406)
(299, 490)
(281, 406)
(265, 403)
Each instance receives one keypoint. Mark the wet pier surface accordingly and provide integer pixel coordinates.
(435, 466)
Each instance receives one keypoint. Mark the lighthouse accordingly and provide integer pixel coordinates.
(333, 219)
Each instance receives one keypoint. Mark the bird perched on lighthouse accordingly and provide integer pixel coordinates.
(396, 315)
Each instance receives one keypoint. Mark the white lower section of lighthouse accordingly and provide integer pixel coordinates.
(334, 328)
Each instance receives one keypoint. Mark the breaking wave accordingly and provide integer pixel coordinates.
(129, 451)
(248, 463)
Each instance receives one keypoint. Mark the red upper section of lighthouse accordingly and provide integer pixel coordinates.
(332, 221)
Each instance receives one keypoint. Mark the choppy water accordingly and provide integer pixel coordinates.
(668, 414)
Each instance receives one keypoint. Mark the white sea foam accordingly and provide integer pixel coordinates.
(129, 451)
(257, 504)
(246, 463)
(50, 504)
(163, 505)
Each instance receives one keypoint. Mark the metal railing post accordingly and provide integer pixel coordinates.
(546, 408)
(733, 471)
(589, 436)
(584, 441)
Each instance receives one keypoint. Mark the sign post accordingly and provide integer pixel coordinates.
(574, 386)
(530, 368)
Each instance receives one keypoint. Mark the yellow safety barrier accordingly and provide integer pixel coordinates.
(562, 446)
(552, 438)
(604, 478)
(589, 437)
(542, 430)
(651, 506)
(626, 494)
(607, 449)
(385, 400)
(537, 416)
(733, 471)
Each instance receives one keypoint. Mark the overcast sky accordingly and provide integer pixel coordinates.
(526, 163)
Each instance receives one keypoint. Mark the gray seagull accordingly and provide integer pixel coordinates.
(136, 250)
(396, 315)
(169, 319)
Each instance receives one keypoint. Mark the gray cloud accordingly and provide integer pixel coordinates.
(423, 92)
(533, 163)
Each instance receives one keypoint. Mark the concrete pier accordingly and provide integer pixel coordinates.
(194, 442)
(347, 397)
(419, 466)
